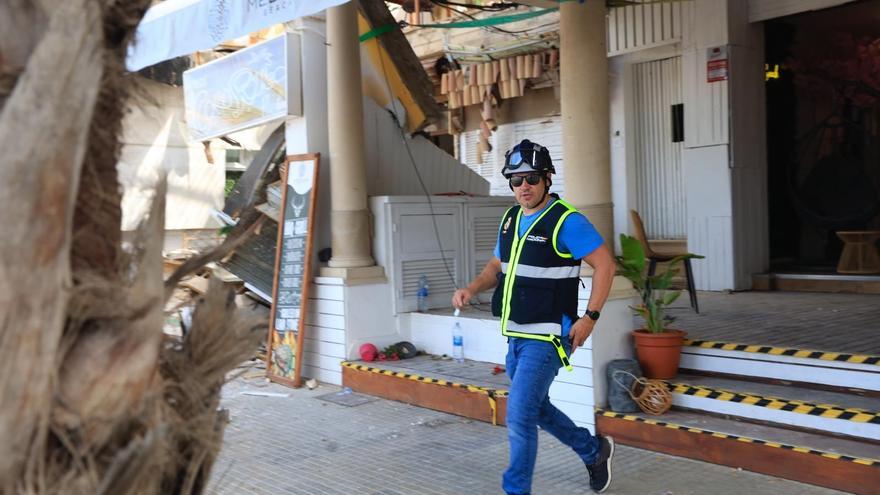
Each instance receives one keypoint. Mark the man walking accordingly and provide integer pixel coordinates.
(536, 274)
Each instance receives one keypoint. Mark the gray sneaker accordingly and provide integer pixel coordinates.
(600, 471)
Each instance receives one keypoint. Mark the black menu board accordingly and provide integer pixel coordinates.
(290, 289)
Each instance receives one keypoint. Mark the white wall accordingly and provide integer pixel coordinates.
(396, 161)
(154, 137)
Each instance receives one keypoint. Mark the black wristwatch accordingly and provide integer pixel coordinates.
(593, 315)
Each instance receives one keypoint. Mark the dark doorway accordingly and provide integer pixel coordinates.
(823, 132)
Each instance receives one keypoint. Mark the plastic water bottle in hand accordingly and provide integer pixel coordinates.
(457, 340)
(422, 294)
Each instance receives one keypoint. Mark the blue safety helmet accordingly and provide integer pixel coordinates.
(527, 157)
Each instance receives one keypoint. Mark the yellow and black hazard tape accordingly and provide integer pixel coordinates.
(490, 393)
(795, 406)
(803, 450)
(840, 357)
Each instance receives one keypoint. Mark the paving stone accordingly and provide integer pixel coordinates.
(303, 445)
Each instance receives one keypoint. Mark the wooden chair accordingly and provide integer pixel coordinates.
(654, 258)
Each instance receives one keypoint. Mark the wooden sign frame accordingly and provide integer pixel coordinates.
(286, 310)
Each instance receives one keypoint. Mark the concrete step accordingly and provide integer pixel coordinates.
(842, 464)
(810, 282)
(819, 410)
(809, 366)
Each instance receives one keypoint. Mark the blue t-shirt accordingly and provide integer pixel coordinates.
(577, 236)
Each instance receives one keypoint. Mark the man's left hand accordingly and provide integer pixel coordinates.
(580, 332)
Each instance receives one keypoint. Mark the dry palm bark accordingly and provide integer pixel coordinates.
(91, 398)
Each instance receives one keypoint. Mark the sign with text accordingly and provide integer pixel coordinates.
(248, 88)
(716, 64)
(293, 256)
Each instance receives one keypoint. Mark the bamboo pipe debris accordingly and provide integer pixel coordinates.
(475, 84)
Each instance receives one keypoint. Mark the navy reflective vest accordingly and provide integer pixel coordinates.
(538, 284)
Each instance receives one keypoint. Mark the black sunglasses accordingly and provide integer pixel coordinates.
(532, 179)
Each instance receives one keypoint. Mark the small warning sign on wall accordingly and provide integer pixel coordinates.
(716, 64)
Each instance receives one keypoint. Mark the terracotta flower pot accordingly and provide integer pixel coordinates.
(659, 353)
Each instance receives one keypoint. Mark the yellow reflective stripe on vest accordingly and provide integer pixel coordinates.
(555, 272)
(556, 234)
(510, 275)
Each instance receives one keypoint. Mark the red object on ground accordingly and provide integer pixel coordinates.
(368, 352)
(498, 369)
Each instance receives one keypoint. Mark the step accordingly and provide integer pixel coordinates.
(819, 410)
(837, 369)
(836, 463)
(807, 282)
(466, 389)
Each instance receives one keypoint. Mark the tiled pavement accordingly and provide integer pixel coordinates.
(303, 445)
(804, 320)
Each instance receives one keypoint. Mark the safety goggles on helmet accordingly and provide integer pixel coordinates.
(527, 157)
(533, 179)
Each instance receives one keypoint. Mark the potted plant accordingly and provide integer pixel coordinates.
(658, 347)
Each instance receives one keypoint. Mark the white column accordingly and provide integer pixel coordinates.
(585, 112)
(350, 225)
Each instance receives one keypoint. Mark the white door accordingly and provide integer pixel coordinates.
(659, 139)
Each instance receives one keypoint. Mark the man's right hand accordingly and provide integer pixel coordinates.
(461, 298)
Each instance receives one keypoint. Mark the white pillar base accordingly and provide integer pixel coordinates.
(350, 239)
(356, 275)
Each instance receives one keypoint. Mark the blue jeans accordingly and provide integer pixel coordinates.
(531, 366)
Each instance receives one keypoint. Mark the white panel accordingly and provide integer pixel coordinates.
(319, 361)
(578, 375)
(332, 292)
(581, 414)
(335, 335)
(660, 197)
(327, 349)
(326, 321)
(419, 250)
(761, 10)
(569, 392)
(483, 223)
(705, 104)
(644, 25)
(326, 306)
(709, 229)
(332, 377)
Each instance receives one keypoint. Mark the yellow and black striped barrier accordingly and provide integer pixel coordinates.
(804, 450)
(840, 357)
(491, 393)
(795, 406)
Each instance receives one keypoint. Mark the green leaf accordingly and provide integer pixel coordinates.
(670, 296)
(662, 281)
(633, 255)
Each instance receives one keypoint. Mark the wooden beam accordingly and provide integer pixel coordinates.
(404, 58)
